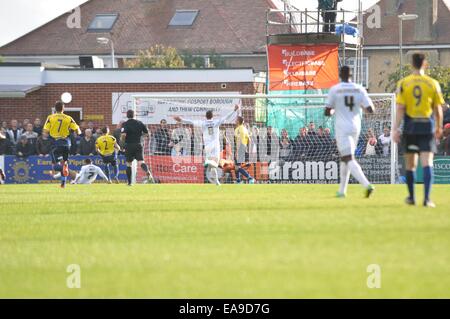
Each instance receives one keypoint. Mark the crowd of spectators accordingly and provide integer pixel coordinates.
(311, 143)
(28, 138)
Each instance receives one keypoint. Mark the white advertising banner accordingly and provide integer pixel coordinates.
(152, 111)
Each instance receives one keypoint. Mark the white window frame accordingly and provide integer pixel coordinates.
(365, 65)
(72, 109)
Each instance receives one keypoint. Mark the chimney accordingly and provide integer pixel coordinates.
(427, 10)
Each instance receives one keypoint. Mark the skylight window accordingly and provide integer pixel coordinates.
(183, 18)
(103, 22)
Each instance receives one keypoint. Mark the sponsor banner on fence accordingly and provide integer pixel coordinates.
(36, 169)
(302, 67)
(189, 169)
(175, 169)
(152, 111)
(441, 170)
(376, 168)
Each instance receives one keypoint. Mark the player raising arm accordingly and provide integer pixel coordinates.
(419, 106)
(88, 173)
(106, 145)
(59, 126)
(346, 100)
(211, 140)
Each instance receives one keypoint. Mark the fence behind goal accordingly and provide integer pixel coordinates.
(291, 140)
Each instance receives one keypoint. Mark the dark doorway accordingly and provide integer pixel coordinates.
(76, 115)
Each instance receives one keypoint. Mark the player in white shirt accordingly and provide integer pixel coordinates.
(211, 140)
(88, 173)
(347, 100)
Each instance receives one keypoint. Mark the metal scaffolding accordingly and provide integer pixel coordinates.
(292, 21)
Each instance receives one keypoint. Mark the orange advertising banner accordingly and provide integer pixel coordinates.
(303, 67)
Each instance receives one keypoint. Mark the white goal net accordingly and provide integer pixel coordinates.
(290, 139)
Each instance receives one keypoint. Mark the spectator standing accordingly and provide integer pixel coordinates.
(97, 134)
(444, 143)
(43, 144)
(446, 113)
(14, 133)
(25, 123)
(87, 144)
(371, 143)
(385, 141)
(328, 144)
(300, 143)
(329, 18)
(117, 134)
(83, 127)
(269, 136)
(30, 134)
(312, 142)
(5, 144)
(180, 140)
(91, 126)
(162, 139)
(286, 146)
(24, 148)
(254, 144)
(37, 126)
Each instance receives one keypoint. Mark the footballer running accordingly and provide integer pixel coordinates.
(346, 100)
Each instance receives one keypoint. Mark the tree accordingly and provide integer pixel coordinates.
(157, 56)
(439, 73)
(198, 61)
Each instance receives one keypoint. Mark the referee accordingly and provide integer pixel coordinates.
(131, 135)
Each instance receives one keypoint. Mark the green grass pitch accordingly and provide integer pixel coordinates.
(202, 241)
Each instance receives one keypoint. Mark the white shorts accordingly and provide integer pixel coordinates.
(346, 144)
(212, 151)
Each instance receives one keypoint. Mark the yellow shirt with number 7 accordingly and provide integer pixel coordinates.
(59, 125)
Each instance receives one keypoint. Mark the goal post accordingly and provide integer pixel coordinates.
(291, 140)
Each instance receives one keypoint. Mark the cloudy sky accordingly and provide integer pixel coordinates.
(18, 17)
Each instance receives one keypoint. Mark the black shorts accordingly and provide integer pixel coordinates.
(110, 159)
(60, 150)
(415, 143)
(134, 152)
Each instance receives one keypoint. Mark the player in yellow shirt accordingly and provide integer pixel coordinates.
(419, 105)
(242, 138)
(107, 147)
(59, 126)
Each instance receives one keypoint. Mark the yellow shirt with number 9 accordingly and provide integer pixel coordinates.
(420, 94)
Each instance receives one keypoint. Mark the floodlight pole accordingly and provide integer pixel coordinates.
(402, 17)
(401, 45)
(113, 57)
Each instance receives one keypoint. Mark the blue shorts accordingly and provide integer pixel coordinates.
(60, 150)
(110, 159)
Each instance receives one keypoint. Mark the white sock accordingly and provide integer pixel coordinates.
(212, 175)
(215, 176)
(211, 163)
(345, 176)
(357, 173)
